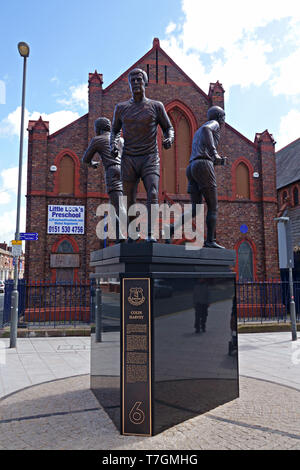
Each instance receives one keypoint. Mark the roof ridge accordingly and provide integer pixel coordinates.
(156, 45)
(287, 145)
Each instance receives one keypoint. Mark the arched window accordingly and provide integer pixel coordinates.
(168, 158)
(66, 176)
(296, 196)
(184, 151)
(284, 196)
(176, 159)
(245, 262)
(242, 182)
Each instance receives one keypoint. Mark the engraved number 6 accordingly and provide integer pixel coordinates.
(136, 415)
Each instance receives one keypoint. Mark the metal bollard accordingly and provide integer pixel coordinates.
(98, 314)
(92, 305)
(292, 306)
(14, 318)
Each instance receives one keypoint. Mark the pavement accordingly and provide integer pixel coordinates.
(46, 402)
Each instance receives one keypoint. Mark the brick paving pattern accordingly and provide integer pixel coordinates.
(64, 414)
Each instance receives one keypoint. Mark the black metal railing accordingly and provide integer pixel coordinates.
(72, 303)
(266, 301)
(51, 303)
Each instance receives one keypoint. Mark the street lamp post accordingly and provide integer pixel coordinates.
(24, 52)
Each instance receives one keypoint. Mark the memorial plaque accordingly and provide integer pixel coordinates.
(64, 260)
(136, 410)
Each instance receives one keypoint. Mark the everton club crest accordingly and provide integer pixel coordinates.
(136, 296)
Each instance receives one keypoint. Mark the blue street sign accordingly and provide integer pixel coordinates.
(29, 236)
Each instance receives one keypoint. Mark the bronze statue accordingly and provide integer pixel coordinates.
(112, 164)
(139, 118)
(200, 171)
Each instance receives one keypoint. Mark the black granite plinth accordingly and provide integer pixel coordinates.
(168, 328)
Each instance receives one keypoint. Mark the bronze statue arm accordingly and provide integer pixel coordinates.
(90, 152)
(211, 148)
(166, 126)
(115, 134)
(209, 142)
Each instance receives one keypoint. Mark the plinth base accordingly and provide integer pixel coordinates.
(151, 369)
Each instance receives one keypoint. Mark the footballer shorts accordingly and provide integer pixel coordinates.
(135, 168)
(113, 178)
(202, 181)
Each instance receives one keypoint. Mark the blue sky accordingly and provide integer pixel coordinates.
(253, 49)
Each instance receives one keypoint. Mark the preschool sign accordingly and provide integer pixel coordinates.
(65, 220)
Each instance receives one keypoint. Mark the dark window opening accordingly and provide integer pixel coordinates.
(296, 197)
(65, 247)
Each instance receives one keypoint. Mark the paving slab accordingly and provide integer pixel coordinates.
(38, 360)
(270, 356)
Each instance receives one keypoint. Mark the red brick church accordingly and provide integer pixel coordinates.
(56, 176)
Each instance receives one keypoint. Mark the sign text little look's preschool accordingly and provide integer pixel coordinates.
(65, 219)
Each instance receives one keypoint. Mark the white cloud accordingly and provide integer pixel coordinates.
(10, 126)
(225, 23)
(190, 63)
(8, 194)
(4, 197)
(9, 177)
(57, 120)
(288, 129)
(77, 97)
(2, 92)
(170, 28)
(243, 65)
(287, 81)
(8, 224)
(228, 42)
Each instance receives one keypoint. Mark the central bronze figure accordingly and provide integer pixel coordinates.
(138, 118)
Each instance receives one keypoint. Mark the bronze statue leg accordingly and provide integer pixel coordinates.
(130, 190)
(114, 199)
(151, 183)
(211, 199)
